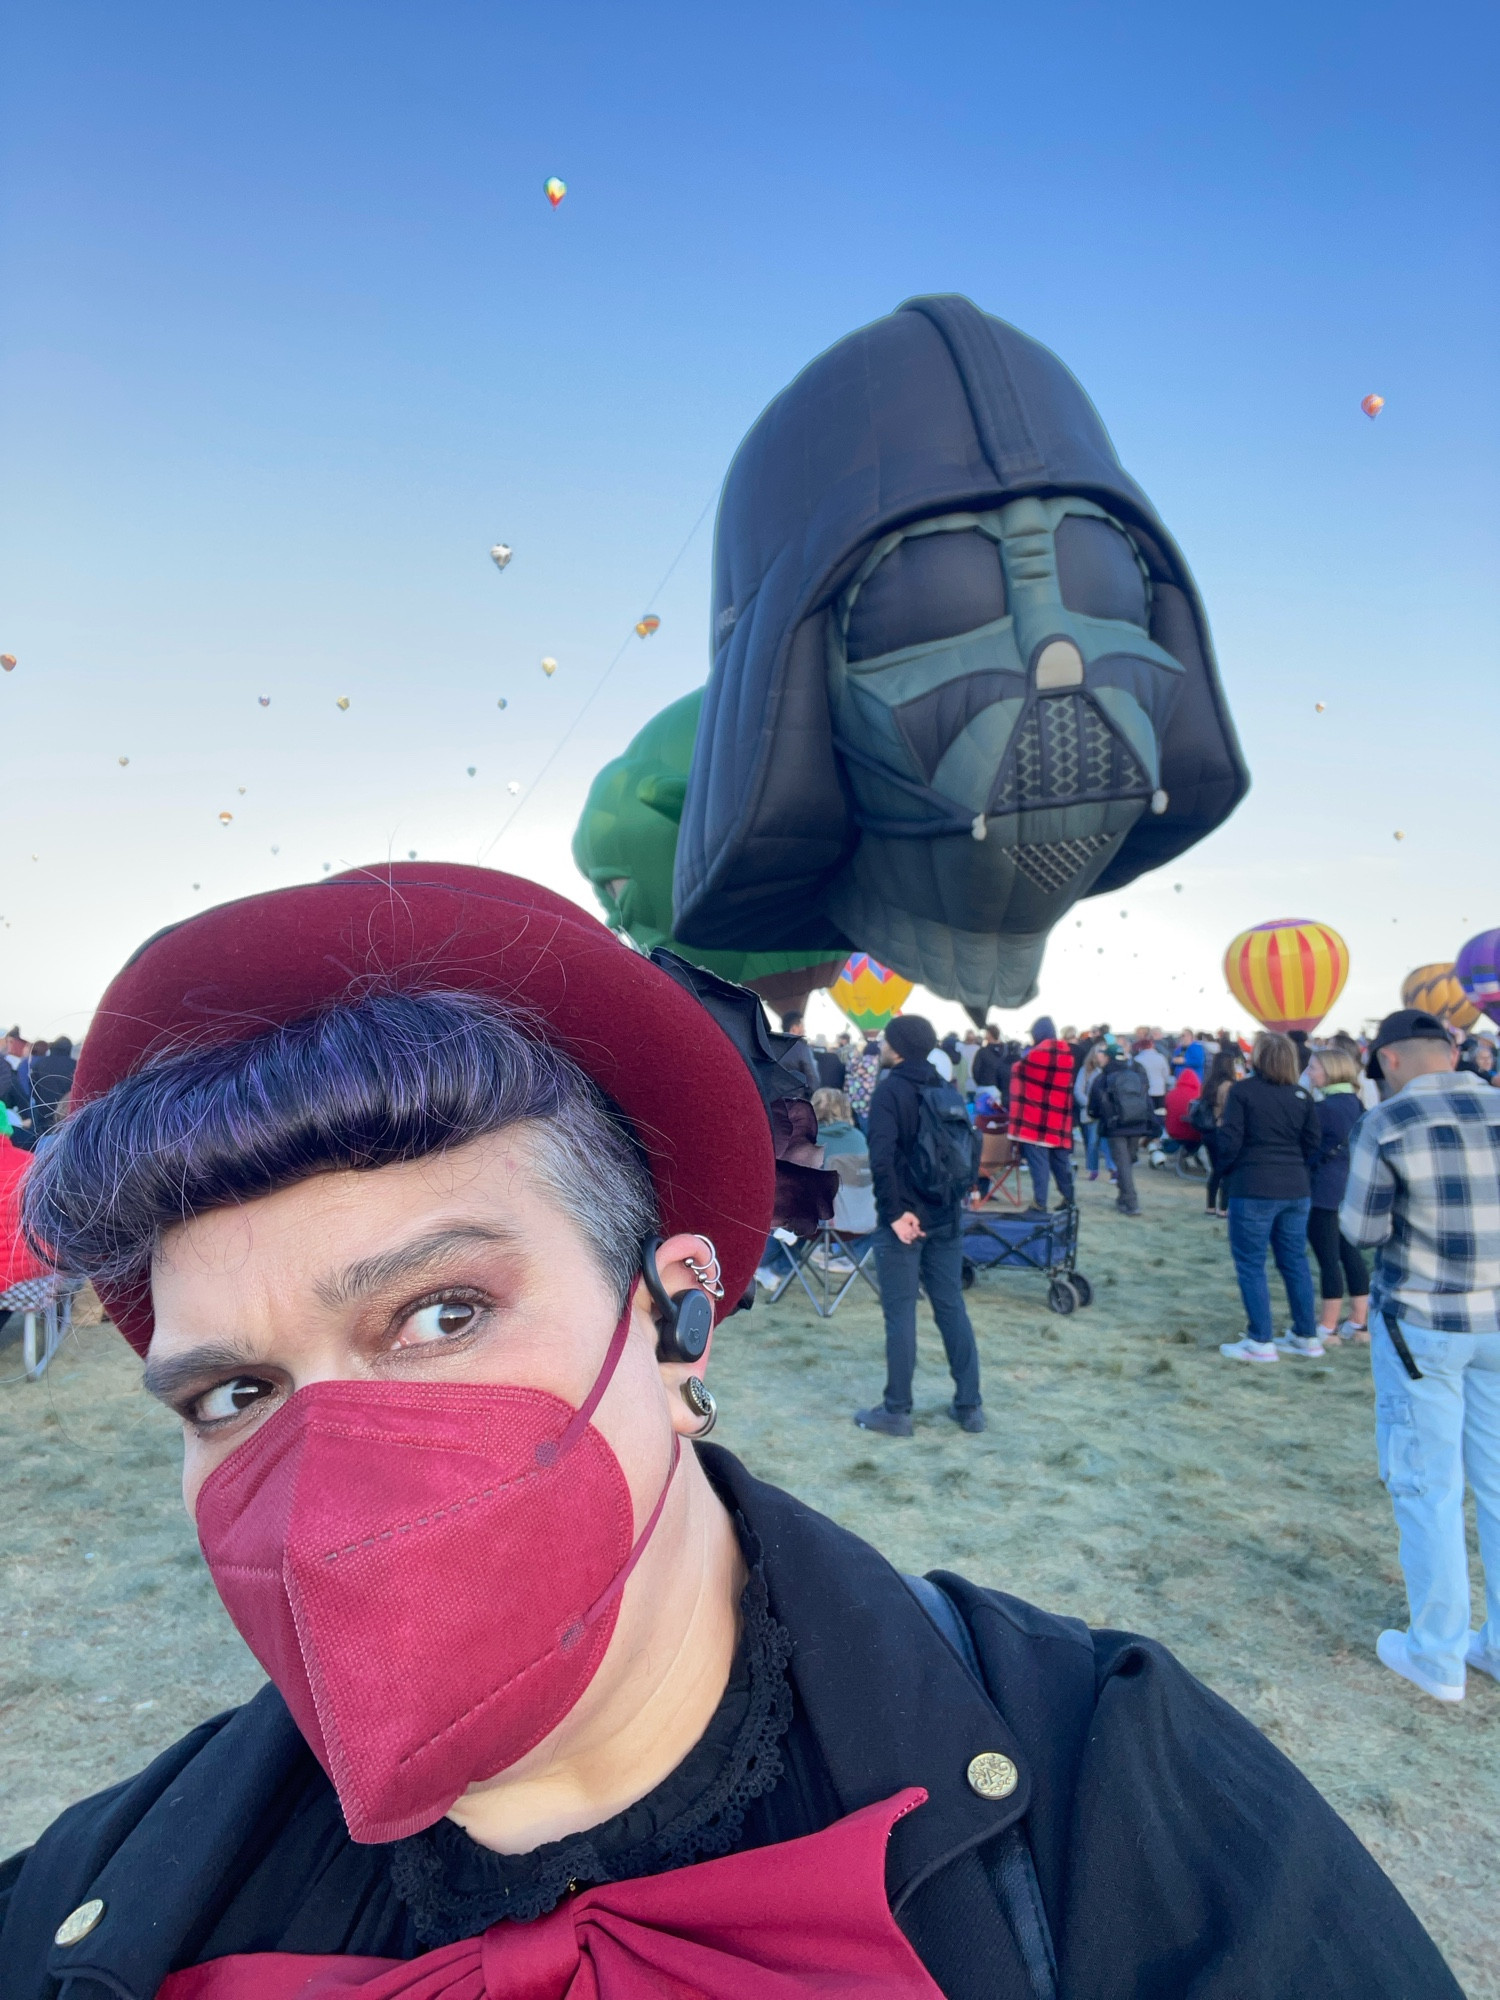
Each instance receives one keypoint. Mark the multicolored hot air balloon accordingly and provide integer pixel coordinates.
(1372, 406)
(1287, 973)
(868, 992)
(649, 624)
(8, 661)
(554, 189)
(1436, 990)
(500, 555)
(1478, 970)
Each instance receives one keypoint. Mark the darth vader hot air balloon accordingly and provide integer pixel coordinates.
(961, 677)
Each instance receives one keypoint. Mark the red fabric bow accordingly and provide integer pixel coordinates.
(776, 1923)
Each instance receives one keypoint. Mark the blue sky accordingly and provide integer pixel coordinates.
(292, 336)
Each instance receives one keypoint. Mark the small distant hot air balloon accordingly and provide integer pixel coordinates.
(264, 700)
(1478, 971)
(241, 790)
(225, 818)
(513, 787)
(411, 854)
(1317, 708)
(549, 668)
(1287, 973)
(502, 703)
(343, 701)
(499, 555)
(275, 850)
(8, 661)
(1372, 406)
(554, 189)
(1436, 990)
(123, 762)
(472, 769)
(1398, 834)
(868, 992)
(649, 624)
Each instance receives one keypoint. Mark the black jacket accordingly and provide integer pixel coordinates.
(49, 1081)
(989, 1067)
(891, 1130)
(1177, 1852)
(1337, 1117)
(1267, 1139)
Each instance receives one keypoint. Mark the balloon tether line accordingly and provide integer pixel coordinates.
(562, 741)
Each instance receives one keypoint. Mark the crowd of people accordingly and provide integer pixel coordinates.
(35, 1078)
(1325, 1149)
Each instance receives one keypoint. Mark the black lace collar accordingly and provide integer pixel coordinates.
(454, 1888)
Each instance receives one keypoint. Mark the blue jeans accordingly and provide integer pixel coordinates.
(1092, 1134)
(935, 1262)
(1256, 1225)
(1041, 1161)
(1429, 1434)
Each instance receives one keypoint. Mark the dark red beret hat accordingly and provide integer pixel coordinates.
(410, 927)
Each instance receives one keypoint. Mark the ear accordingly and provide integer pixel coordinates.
(676, 1277)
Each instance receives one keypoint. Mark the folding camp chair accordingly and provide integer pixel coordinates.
(828, 1264)
(1000, 1165)
(46, 1305)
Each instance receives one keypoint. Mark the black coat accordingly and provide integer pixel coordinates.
(1267, 1139)
(49, 1081)
(1178, 1852)
(1337, 1117)
(989, 1068)
(891, 1130)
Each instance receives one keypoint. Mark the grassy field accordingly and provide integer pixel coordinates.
(1129, 1476)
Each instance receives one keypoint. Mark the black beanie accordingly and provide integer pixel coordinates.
(1044, 1029)
(912, 1038)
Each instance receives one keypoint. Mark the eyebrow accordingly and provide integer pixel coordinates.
(165, 1378)
(371, 1274)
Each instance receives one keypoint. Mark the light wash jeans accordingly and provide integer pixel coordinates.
(1429, 1434)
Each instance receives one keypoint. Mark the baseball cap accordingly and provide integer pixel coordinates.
(1407, 1024)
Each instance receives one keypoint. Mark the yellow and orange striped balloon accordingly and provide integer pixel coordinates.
(1288, 973)
(1435, 989)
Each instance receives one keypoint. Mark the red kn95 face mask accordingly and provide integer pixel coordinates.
(430, 1572)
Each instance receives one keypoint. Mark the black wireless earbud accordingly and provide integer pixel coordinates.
(684, 1320)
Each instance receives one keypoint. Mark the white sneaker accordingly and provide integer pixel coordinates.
(1393, 1650)
(768, 1278)
(1248, 1350)
(1296, 1343)
(1475, 1654)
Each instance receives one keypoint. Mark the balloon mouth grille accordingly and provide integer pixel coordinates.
(1065, 752)
(1053, 864)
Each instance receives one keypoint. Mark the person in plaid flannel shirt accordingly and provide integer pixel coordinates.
(1424, 1191)
(1041, 1112)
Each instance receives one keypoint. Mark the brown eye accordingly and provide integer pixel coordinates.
(229, 1399)
(445, 1319)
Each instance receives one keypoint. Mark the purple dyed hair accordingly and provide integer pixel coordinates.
(390, 1078)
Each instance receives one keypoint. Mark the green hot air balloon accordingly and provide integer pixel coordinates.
(626, 845)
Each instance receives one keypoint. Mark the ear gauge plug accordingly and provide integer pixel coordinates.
(684, 1320)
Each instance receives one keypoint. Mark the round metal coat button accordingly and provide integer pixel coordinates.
(78, 1923)
(992, 1775)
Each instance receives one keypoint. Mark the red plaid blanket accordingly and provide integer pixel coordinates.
(1041, 1096)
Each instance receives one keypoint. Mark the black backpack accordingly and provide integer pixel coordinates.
(1127, 1098)
(944, 1162)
